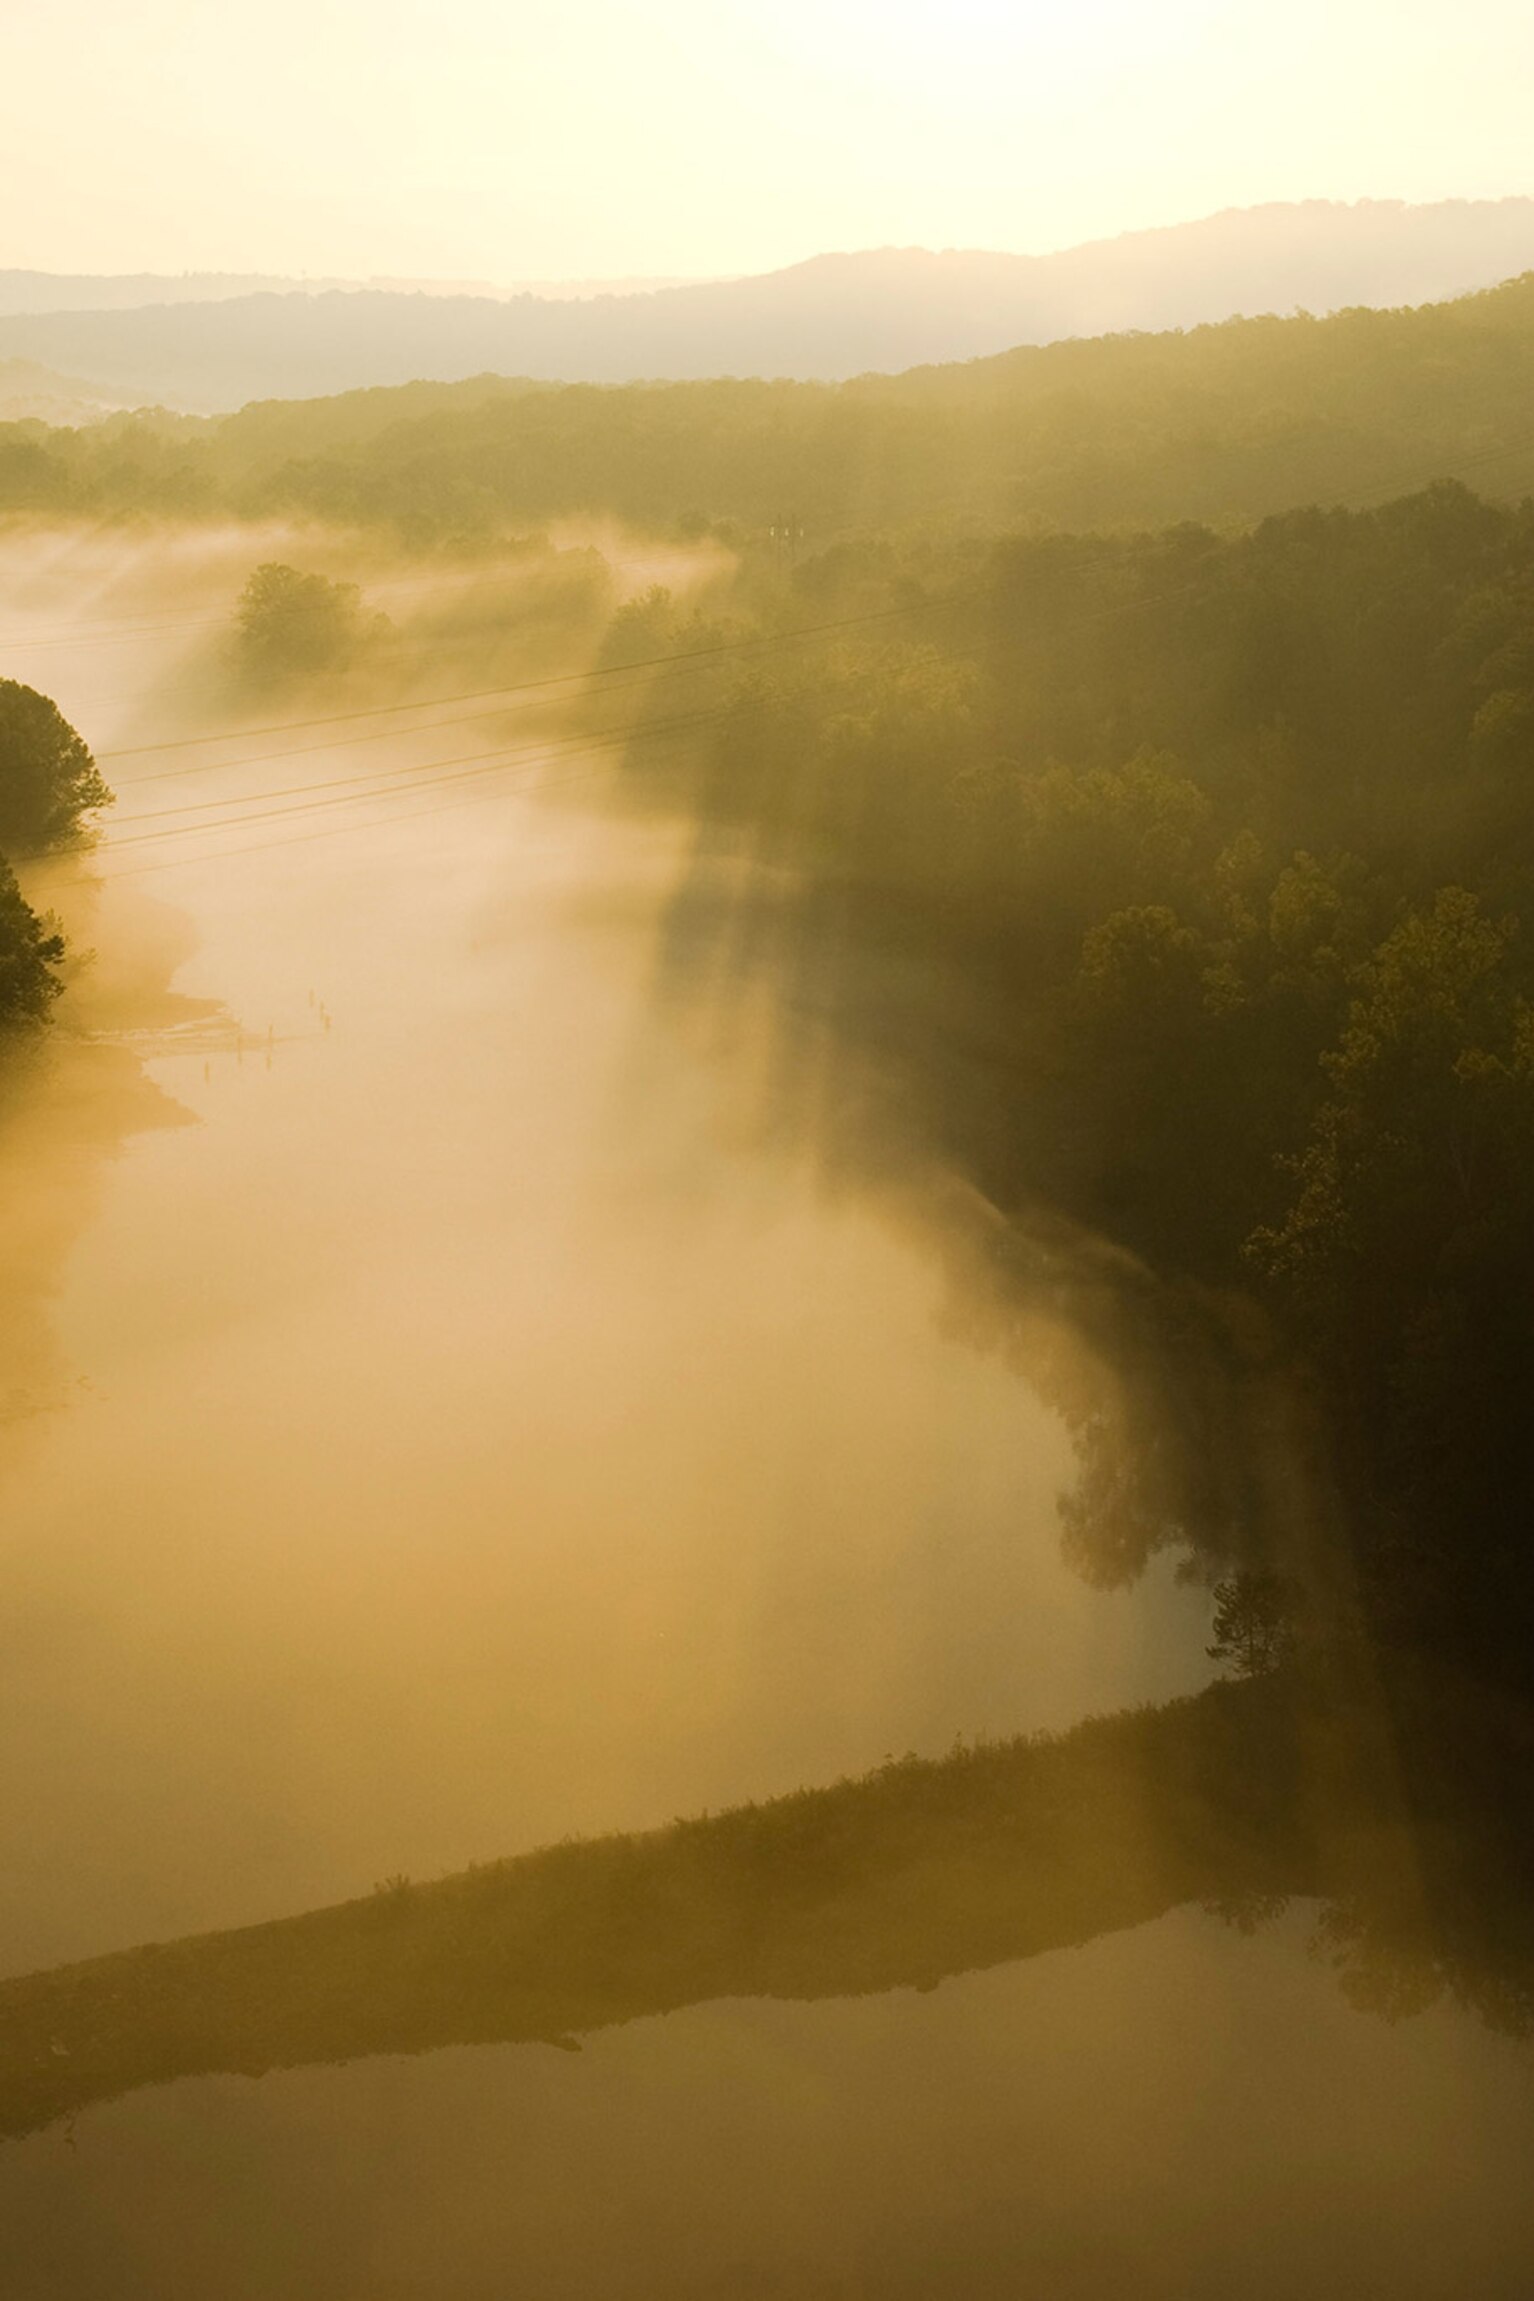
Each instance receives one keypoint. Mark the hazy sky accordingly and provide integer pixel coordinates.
(527, 138)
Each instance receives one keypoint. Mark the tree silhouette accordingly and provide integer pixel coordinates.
(48, 779)
(1252, 1625)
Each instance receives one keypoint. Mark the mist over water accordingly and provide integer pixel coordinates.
(451, 1406)
(467, 1441)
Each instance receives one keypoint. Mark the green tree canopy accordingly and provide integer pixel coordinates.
(292, 623)
(29, 952)
(48, 779)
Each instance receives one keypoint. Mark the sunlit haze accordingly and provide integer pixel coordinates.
(607, 137)
(766, 1151)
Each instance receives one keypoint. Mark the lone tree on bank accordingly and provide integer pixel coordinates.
(48, 779)
(290, 623)
(30, 949)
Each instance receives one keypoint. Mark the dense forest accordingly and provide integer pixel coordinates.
(1165, 851)
(1188, 884)
(1223, 424)
(1213, 835)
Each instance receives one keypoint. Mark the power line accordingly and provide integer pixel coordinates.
(1393, 488)
(432, 768)
(363, 788)
(722, 648)
(378, 776)
(427, 774)
(426, 777)
(331, 743)
(715, 652)
(330, 830)
(770, 640)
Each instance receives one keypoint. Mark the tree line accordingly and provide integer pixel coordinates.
(1224, 424)
(1198, 873)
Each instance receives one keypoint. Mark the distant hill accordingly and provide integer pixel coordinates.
(1222, 424)
(36, 394)
(34, 292)
(832, 317)
(23, 292)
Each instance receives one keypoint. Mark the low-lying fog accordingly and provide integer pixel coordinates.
(434, 1431)
(435, 1424)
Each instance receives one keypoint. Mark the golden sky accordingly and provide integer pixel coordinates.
(576, 138)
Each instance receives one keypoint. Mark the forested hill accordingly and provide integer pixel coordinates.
(27, 390)
(837, 315)
(1222, 424)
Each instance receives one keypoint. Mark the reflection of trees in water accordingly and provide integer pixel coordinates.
(66, 1107)
(1180, 889)
(70, 1097)
(1395, 1795)
(842, 1036)
(1237, 1799)
(866, 1023)
(1194, 1433)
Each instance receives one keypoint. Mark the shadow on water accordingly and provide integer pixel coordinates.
(1394, 1795)
(836, 1035)
(1288, 1784)
(70, 1099)
(1384, 1785)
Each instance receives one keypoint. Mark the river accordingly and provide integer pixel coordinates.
(436, 1429)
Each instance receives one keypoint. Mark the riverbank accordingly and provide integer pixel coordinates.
(1317, 1785)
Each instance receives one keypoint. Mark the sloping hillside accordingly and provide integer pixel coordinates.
(833, 317)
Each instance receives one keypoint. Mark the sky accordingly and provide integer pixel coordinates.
(565, 139)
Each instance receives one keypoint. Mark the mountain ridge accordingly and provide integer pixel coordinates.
(28, 293)
(831, 317)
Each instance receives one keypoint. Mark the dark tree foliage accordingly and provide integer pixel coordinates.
(1223, 424)
(48, 779)
(290, 623)
(48, 782)
(1252, 1622)
(1229, 844)
(29, 952)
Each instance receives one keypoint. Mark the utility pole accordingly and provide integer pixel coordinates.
(787, 533)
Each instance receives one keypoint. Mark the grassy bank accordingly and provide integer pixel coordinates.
(1237, 1798)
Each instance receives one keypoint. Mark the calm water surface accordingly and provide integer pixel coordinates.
(434, 1429)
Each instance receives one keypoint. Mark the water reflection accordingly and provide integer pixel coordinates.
(1240, 1798)
(897, 1080)
(480, 1442)
(69, 1102)
(534, 1406)
(1174, 2111)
